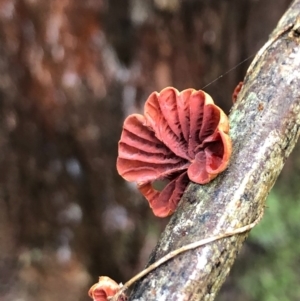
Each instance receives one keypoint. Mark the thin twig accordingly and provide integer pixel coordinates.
(185, 248)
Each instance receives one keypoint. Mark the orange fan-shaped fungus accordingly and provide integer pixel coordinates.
(182, 136)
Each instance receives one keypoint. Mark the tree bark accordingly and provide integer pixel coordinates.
(265, 123)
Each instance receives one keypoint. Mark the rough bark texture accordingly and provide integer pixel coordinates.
(265, 125)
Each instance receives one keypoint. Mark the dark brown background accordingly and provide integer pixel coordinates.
(70, 71)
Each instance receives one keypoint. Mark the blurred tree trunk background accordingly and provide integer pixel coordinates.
(70, 72)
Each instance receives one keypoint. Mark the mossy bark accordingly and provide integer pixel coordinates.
(265, 123)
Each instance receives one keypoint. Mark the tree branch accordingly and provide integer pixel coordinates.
(265, 123)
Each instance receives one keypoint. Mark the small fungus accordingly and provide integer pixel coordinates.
(182, 136)
(105, 289)
(236, 91)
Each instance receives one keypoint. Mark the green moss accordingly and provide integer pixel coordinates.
(274, 274)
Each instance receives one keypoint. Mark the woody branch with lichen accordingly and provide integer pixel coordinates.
(264, 128)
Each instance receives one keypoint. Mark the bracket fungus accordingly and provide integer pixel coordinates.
(182, 136)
